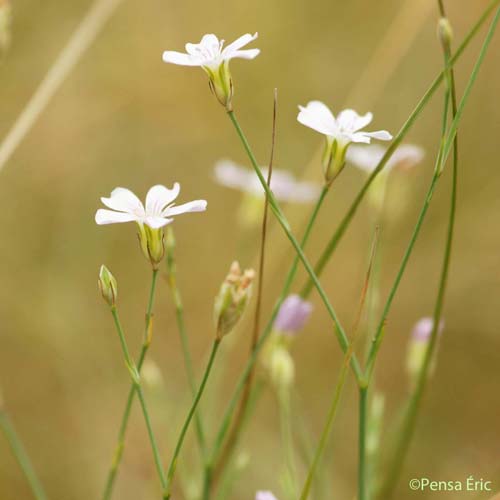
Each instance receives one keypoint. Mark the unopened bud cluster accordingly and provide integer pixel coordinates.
(232, 299)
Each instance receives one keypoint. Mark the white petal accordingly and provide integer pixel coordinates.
(265, 495)
(359, 137)
(381, 135)
(243, 54)
(318, 116)
(156, 221)
(103, 216)
(231, 175)
(239, 43)
(124, 200)
(159, 197)
(170, 56)
(209, 40)
(407, 156)
(366, 157)
(192, 206)
(350, 121)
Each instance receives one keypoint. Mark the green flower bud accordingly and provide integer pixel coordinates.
(221, 84)
(445, 32)
(333, 160)
(107, 286)
(152, 243)
(231, 301)
(281, 368)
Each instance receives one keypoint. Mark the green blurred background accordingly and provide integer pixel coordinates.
(125, 118)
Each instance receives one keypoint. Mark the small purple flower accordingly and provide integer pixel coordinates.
(293, 314)
(422, 330)
(265, 495)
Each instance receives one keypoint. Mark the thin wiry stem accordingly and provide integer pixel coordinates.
(332, 411)
(446, 144)
(137, 384)
(181, 326)
(226, 419)
(335, 239)
(240, 414)
(21, 456)
(173, 463)
(280, 217)
(82, 38)
(120, 445)
(411, 413)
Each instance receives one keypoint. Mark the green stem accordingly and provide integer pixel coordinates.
(181, 326)
(450, 139)
(226, 419)
(339, 330)
(235, 434)
(21, 456)
(332, 244)
(325, 435)
(110, 481)
(287, 442)
(173, 464)
(137, 384)
(363, 491)
(408, 425)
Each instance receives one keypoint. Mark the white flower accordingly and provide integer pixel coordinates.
(265, 495)
(368, 157)
(346, 128)
(210, 52)
(283, 184)
(211, 55)
(339, 132)
(158, 211)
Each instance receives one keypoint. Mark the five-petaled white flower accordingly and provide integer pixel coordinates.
(368, 157)
(283, 184)
(158, 211)
(211, 55)
(340, 131)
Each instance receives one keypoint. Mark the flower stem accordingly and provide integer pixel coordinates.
(21, 456)
(363, 491)
(410, 416)
(334, 240)
(226, 420)
(137, 384)
(242, 409)
(446, 143)
(339, 331)
(287, 442)
(173, 463)
(110, 481)
(181, 326)
(325, 435)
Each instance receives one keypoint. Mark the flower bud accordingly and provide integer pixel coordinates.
(445, 32)
(221, 84)
(107, 286)
(333, 158)
(418, 345)
(5, 19)
(281, 368)
(151, 374)
(232, 299)
(152, 243)
(292, 315)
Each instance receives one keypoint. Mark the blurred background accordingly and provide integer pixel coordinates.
(123, 118)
